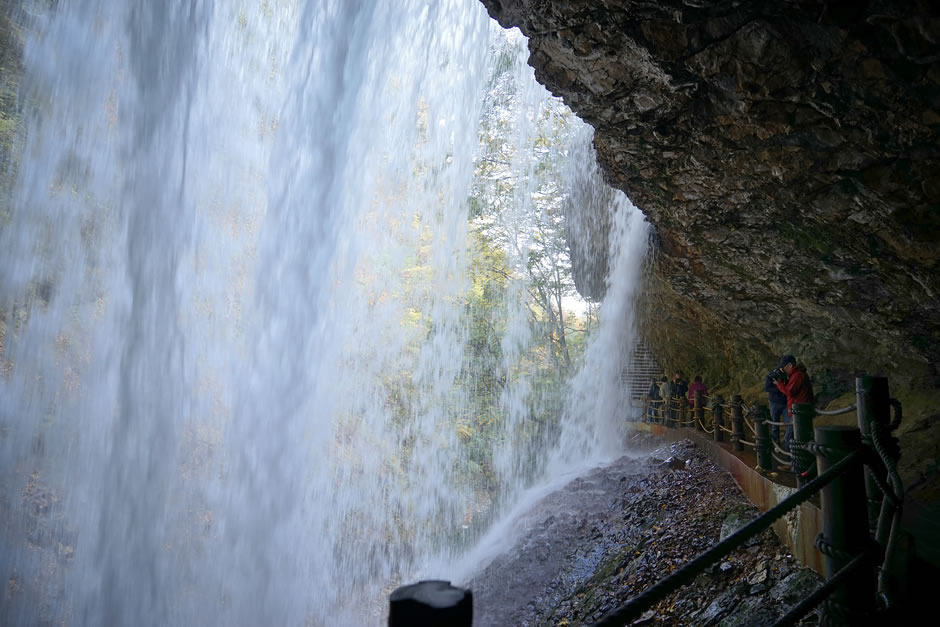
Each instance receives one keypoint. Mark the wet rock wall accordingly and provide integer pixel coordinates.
(787, 154)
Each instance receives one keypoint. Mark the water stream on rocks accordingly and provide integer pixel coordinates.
(231, 298)
(585, 547)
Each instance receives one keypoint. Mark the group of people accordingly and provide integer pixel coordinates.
(785, 385)
(662, 392)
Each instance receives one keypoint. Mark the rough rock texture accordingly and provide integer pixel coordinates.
(787, 154)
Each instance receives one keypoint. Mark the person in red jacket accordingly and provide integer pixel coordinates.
(696, 385)
(796, 387)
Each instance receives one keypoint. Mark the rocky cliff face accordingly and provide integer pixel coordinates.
(787, 154)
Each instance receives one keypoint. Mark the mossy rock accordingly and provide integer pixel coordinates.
(735, 518)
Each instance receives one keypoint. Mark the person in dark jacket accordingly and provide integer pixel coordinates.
(679, 389)
(797, 388)
(652, 399)
(680, 386)
(777, 399)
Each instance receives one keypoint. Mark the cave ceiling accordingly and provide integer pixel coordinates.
(786, 154)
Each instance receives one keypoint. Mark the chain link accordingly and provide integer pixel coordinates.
(819, 449)
(826, 548)
(886, 446)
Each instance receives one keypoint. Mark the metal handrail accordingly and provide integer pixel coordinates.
(885, 489)
(804, 607)
(687, 573)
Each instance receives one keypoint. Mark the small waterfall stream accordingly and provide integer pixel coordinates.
(235, 344)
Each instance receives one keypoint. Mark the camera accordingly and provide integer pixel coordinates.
(778, 375)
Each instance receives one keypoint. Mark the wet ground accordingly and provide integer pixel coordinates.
(589, 547)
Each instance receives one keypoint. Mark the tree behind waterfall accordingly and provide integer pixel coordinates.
(518, 197)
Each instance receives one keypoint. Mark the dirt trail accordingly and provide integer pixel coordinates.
(608, 535)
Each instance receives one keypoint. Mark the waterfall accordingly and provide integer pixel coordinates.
(599, 401)
(234, 330)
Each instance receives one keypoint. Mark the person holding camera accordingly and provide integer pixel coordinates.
(797, 388)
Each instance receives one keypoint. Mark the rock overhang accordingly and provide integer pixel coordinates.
(787, 155)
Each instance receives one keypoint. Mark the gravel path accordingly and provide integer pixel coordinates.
(606, 536)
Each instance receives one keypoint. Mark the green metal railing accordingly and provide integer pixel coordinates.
(686, 574)
(857, 475)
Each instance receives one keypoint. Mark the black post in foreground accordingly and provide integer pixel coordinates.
(845, 534)
(430, 604)
(699, 412)
(683, 412)
(718, 419)
(872, 405)
(737, 422)
(765, 460)
(803, 414)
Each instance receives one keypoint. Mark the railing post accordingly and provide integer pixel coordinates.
(737, 423)
(843, 538)
(718, 419)
(765, 460)
(699, 412)
(872, 404)
(683, 411)
(431, 604)
(803, 414)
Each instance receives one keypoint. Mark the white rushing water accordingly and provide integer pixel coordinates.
(233, 272)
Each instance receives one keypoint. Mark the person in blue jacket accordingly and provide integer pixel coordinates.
(778, 404)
